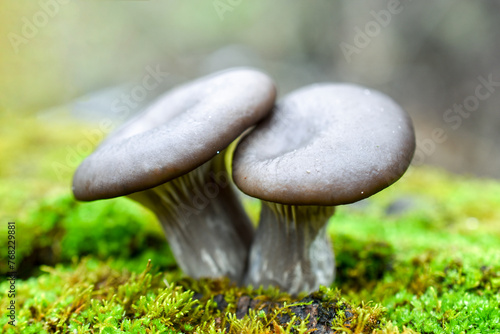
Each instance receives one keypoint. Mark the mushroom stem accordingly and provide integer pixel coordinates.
(291, 249)
(205, 225)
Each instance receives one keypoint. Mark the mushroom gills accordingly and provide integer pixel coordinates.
(291, 248)
(204, 223)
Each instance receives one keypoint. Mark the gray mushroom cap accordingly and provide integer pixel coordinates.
(325, 144)
(179, 132)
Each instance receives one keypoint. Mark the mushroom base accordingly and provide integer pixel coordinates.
(205, 225)
(291, 249)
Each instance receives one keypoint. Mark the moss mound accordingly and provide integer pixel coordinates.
(422, 256)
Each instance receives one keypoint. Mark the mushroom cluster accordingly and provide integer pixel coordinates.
(318, 147)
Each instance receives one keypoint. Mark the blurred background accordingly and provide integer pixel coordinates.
(104, 60)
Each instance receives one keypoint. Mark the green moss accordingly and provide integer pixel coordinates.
(58, 229)
(92, 296)
(361, 263)
(438, 260)
(422, 255)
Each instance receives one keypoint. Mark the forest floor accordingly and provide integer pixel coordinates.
(421, 256)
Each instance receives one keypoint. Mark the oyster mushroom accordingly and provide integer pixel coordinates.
(323, 145)
(170, 158)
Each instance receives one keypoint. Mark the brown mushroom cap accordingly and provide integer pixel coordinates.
(325, 144)
(179, 132)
